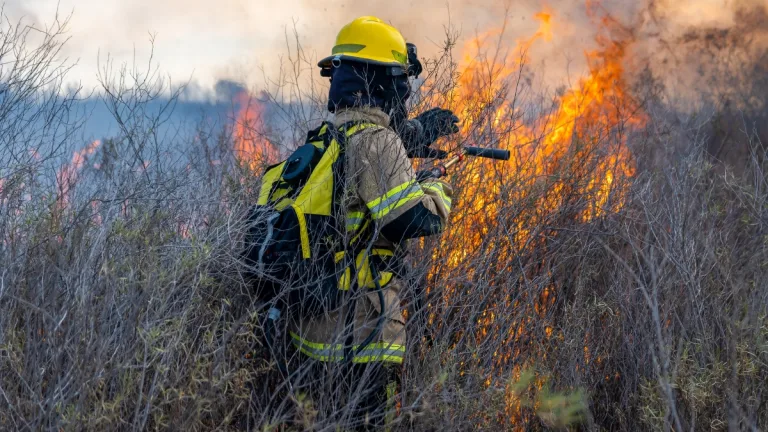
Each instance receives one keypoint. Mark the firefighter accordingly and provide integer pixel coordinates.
(356, 351)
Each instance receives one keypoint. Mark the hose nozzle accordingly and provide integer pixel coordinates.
(490, 153)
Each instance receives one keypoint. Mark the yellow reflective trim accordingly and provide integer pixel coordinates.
(401, 202)
(361, 231)
(358, 127)
(303, 233)
(339, 256)
(395, 198)
(283, 204)
(388, 352)
(438, 188)
(344, 280)
(354, 220)
(363, 272)
(318, 345)
(394, 190)
(386, 277)
(364, 278)
(314, 356)
(388, 358)
(316, 196)
(267, 181)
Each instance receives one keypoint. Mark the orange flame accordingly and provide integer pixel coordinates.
(68, 174)
(250, 142)
(590, 118)
(564, 161)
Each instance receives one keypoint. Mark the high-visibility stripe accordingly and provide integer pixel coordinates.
(374, 352)
(345, 280)
(397, 359)
(395, 198)
(317, 346)
(303, 233)
(361, 231)
(364, 275)
(382, 252)
(268, 182)
(358, 127)
(438, 188)
(338, 256)
(354, 220)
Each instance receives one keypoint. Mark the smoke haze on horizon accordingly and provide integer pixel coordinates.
(244, 41)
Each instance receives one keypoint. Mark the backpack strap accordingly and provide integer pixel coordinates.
(342, 134)
(317, 133)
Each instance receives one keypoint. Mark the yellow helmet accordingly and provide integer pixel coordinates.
(369, 40)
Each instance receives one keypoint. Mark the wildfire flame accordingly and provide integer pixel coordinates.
(589, 119)
(68, 174)
(566, 160)
(250, 143)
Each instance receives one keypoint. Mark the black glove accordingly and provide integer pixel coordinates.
(437, 123)
(419, 133)
(411, 132)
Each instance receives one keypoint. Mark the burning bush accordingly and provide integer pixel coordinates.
(610, 276)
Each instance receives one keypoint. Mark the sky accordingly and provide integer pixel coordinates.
(221, 47)
(205, 41)
(245, 40)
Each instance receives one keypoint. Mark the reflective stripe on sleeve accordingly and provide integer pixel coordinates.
(354, 220)
(438, 189)
(395, 198)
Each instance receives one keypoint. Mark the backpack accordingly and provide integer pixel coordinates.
(295, 245)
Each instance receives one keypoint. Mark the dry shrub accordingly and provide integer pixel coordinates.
(122, 304)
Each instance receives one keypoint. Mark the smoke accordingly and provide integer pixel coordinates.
(193, 39)
(426, 22)
(706, 52)
(247, 41)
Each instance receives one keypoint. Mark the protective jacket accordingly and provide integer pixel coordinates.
(385, 206)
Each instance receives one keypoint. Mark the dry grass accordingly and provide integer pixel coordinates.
(122, 305)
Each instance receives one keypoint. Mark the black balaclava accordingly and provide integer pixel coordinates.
(356, 84)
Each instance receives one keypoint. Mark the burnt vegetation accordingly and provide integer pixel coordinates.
(610, 277)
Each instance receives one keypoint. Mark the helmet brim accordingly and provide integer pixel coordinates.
(328, 61)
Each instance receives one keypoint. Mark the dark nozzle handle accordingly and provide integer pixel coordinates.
(490, 153)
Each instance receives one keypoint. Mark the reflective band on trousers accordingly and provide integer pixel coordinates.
(395, 198)
(374, 352)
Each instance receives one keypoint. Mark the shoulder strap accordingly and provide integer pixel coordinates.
(317, 133)
(351, 128)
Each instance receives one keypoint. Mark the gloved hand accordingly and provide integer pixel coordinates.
(419, 133)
